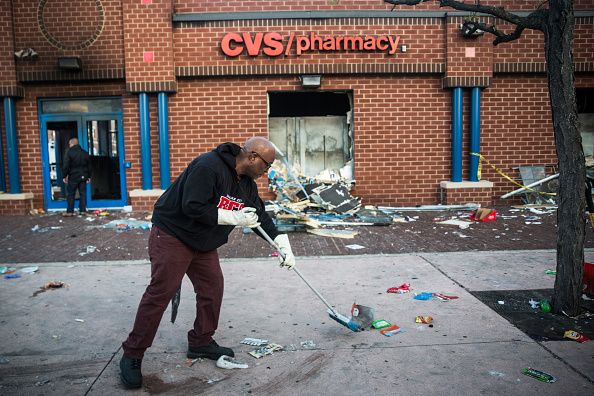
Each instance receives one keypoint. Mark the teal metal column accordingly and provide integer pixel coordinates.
(475, 133)
(164, 140)
(145, 141)
(12, 149)
(457, 134)
(2, 176)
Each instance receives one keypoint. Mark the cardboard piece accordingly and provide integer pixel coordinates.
(484, 215)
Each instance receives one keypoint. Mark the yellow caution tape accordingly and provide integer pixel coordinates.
(482, 158)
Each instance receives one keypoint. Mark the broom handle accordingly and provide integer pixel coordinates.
(274, 245)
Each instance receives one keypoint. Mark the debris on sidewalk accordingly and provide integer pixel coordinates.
(424, 319)
(423, 296)
(49, 285)
(128, 224)
(309, 344)
(539, 375)
(462, 224)
(550, 272)
(29, 270)
(380, 324)
(403, 288)
(268, 349)
(534, 304)
(332, 233)
(390, 331)
(190, 362)
(545, 306)
(253, 341)
(574, 335)
(354, 247)
(484, 215)
(443, 297)
(227, 362)
(89, 249)
(79, 320)
(12, 276)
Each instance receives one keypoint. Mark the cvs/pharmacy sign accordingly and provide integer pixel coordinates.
(275, 44)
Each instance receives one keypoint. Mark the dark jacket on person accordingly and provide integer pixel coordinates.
(77, 165)
(188, 208)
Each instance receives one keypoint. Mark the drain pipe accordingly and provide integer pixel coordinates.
(164, 140)
(457, 134)
(145, 141)
(475, 132)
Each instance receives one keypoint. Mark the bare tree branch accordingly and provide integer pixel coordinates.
(535, 20)
(470, 27)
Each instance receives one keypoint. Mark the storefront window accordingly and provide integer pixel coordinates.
(110, 105)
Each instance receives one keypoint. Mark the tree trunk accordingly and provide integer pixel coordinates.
(571, 219)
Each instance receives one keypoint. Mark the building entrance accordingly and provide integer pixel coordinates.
(97, 123)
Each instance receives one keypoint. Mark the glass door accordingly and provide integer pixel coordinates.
(99, 133)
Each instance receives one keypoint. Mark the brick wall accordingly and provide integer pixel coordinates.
(72, 28)
(308, 5)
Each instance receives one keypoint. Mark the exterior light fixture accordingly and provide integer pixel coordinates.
(71, 63)
(403, 48)
(311, 80)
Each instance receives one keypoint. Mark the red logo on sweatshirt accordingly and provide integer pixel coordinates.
(229, 203)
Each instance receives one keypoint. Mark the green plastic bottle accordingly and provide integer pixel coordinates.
(539, 375)
(545, 306)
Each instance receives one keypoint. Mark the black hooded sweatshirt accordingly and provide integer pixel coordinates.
(188, 208)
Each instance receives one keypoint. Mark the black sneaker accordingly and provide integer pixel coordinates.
(211, 351)
(130, 372)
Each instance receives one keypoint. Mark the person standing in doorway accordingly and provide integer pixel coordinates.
(191, 220)
(77, 173)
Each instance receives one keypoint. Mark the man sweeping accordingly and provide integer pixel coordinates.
(193, 218)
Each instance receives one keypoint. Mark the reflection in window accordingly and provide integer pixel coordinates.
(103, 138)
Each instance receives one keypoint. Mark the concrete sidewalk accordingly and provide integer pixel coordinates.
(470, 349)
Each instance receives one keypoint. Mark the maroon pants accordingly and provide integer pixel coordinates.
(170, 260)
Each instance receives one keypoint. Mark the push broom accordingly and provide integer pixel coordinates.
(362, 315)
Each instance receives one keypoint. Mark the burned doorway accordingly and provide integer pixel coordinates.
(315, 131)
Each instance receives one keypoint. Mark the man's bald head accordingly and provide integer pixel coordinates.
(257, 154)
(260, 145)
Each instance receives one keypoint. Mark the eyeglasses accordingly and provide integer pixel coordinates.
(268, 164)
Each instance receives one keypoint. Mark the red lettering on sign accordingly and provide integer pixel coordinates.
(229, 204)
(273, 44)
(234, 38)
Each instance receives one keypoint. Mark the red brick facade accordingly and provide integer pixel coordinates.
(402, 103)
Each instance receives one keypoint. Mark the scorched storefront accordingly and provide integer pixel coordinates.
(394, 101)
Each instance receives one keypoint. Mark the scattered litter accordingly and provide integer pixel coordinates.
(49, 285)
(12, 276)
(423, 296)
(41, 383)
(403, 288)
(574, 335)
(484, 215)
(29, 270)
(380, 324)
(501, 302)
(354, 247)
(462, 224)
(539, 375)
(35, 227)
(4, 360)
(390, 331)
(424, 208)
(212, 380)
(80, 320)
(421, 328)
(545, 306)
(90, 249)
(424, 319)
(190, 362)
(534, 304)
(266, 350)
(550, 272)
(309, 344)
(496, 374)
(128, 224)
(332, 233)
(253, 341)
(100, 212)
(3, 270)
(443, 297)
(460, 234)
(227, 362)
